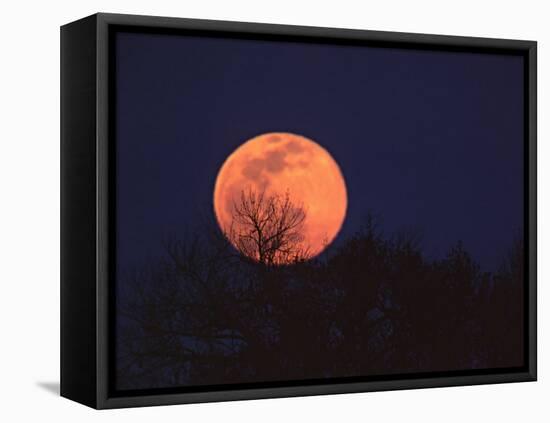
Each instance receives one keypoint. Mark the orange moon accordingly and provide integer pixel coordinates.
(279, 163)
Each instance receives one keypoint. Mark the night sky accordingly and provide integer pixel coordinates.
(426, 140)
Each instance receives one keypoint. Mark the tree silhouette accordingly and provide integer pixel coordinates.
(180, 318)
(268, 229)
(208, 315)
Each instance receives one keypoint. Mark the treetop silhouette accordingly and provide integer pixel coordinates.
(207, 315)
(268, 228)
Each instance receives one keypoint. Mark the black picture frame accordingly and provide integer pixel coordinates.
(87, 198)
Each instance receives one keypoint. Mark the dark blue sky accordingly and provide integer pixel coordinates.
(425, 139)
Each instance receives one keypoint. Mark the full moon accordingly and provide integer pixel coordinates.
(284, 164)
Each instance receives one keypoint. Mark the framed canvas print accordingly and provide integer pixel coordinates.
(254, 211)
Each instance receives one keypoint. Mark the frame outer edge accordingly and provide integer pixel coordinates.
(312, 31)
(102, 199)
(78, 215)
(532, 160)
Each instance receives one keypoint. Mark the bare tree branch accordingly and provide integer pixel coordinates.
(268, 229)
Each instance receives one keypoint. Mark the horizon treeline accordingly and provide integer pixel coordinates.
(206, 314)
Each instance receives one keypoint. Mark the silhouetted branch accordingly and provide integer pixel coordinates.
(268, 229)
